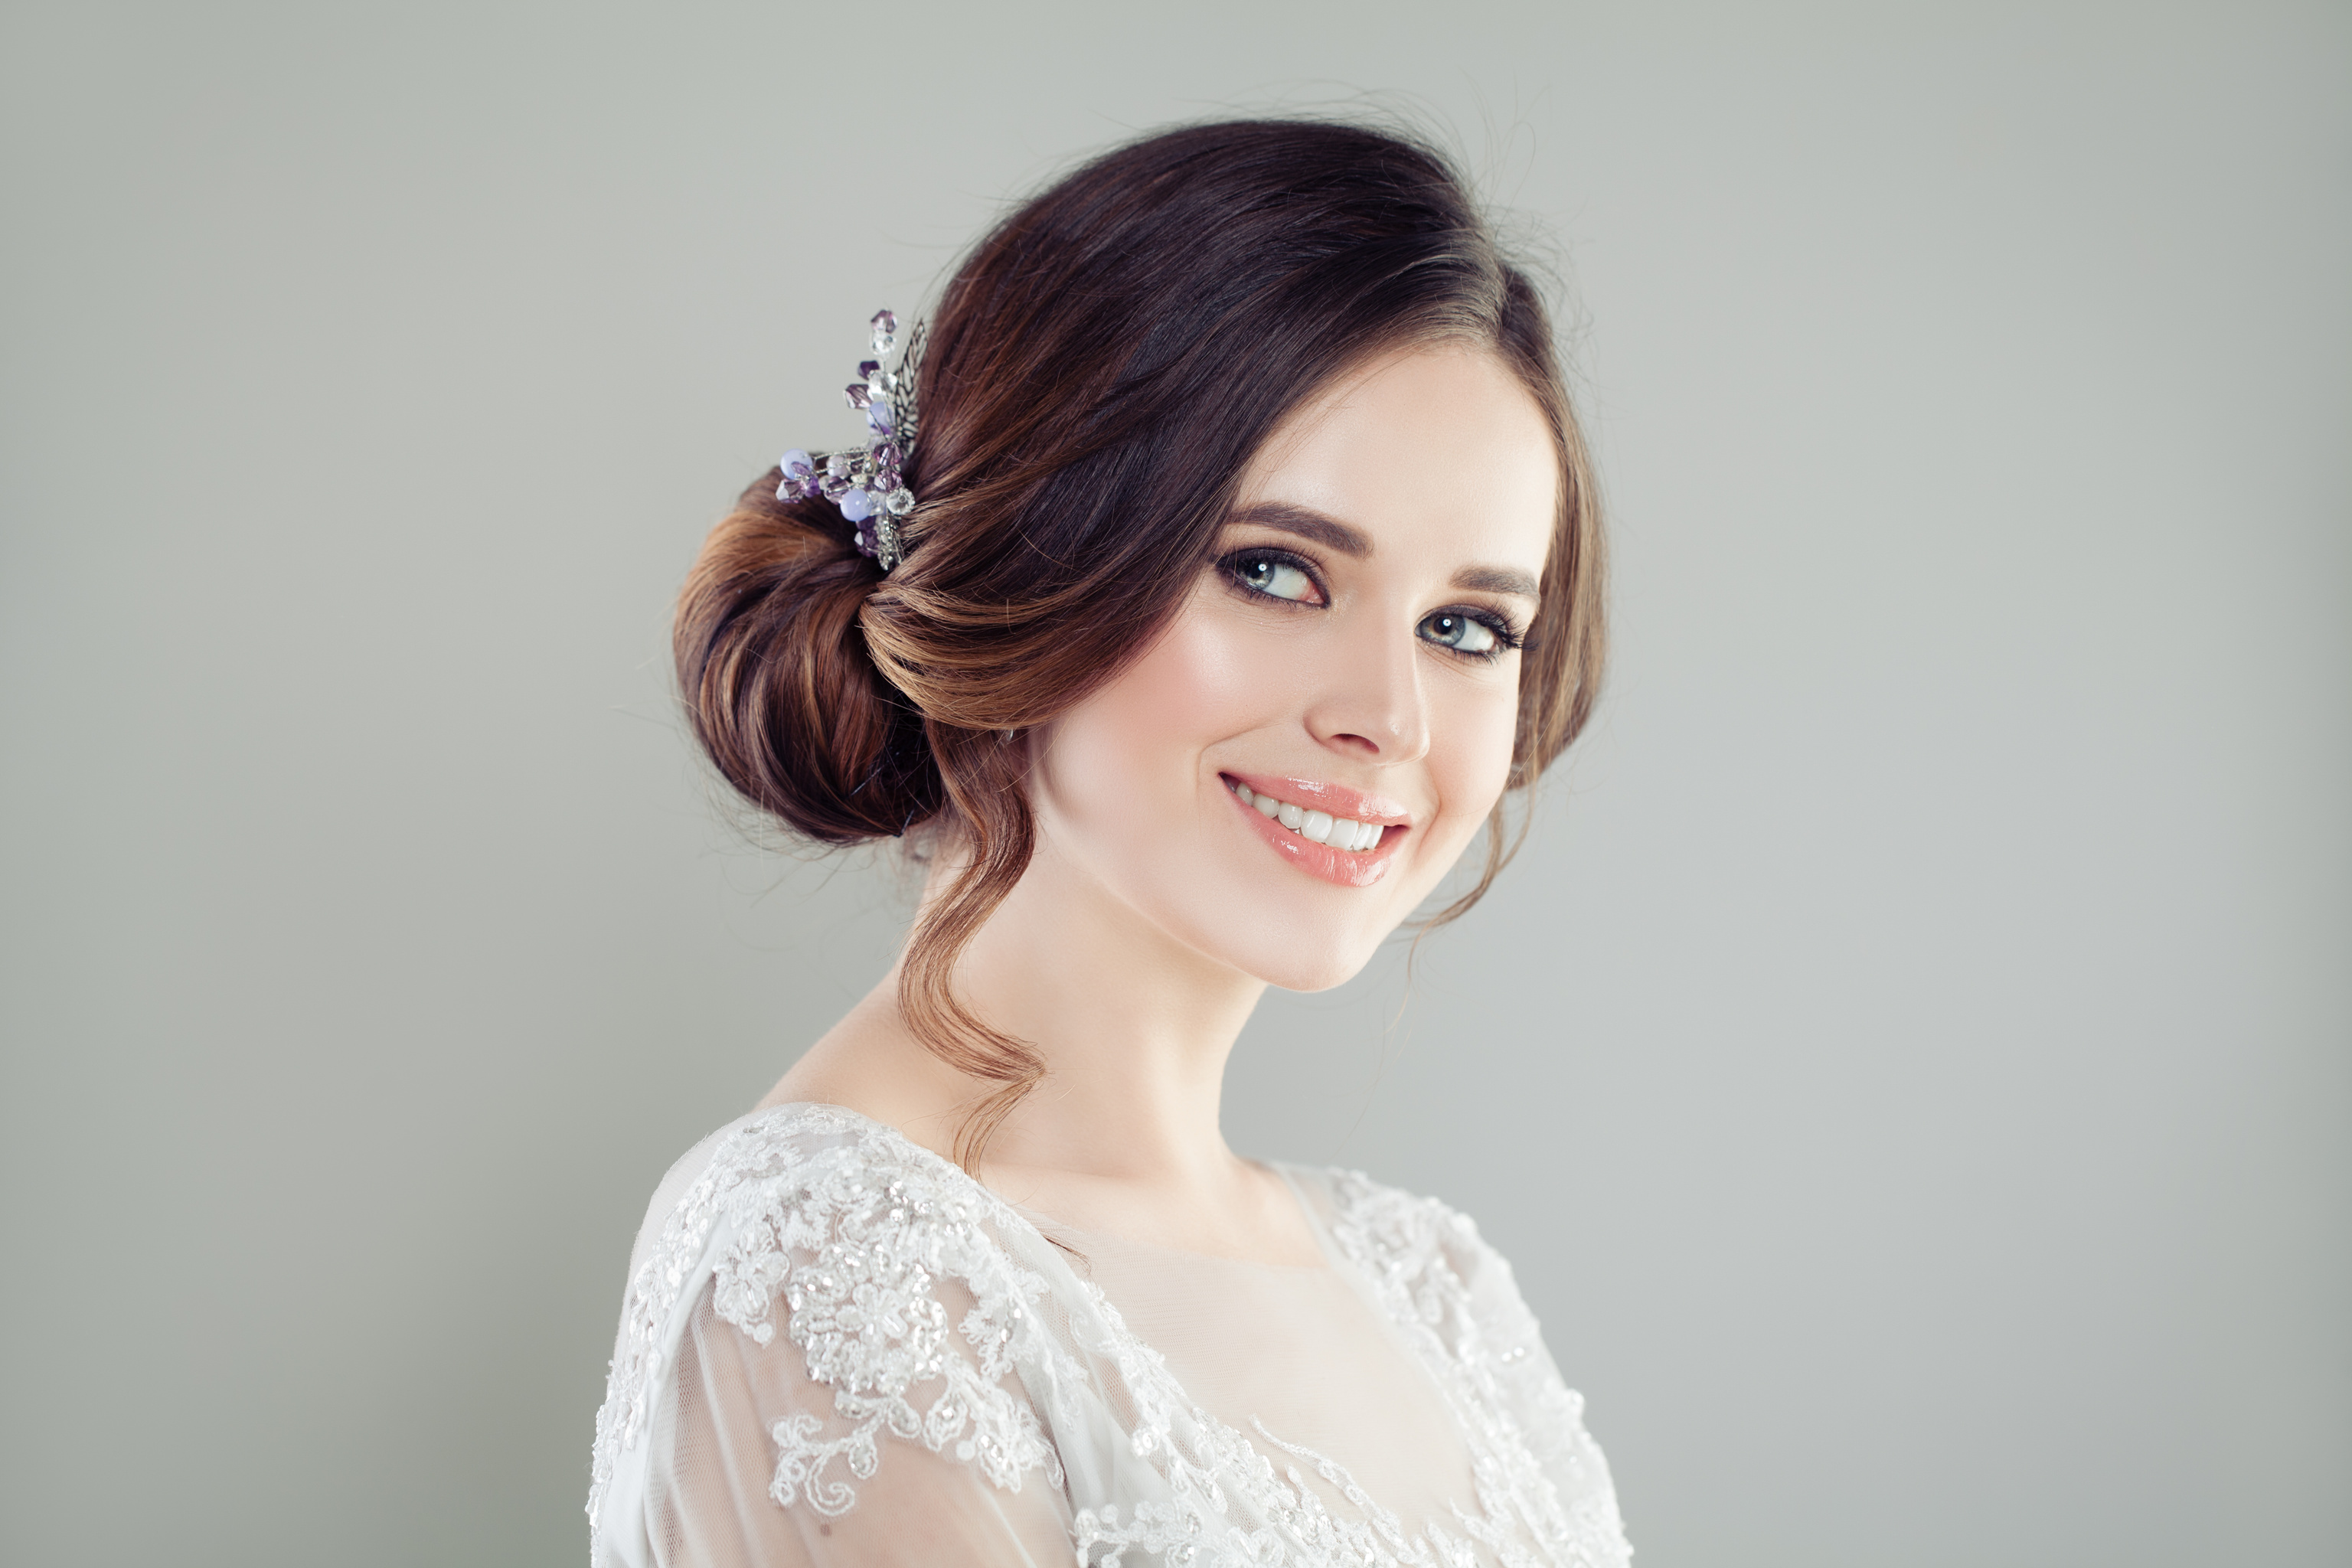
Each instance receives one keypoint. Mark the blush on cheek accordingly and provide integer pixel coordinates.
(1133, 747)
(1488, 755)
(1197, 682)
(1470, 763)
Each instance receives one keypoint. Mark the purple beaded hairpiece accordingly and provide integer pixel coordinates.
(867, 485)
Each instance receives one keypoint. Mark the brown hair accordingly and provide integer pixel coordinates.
(1100, 370)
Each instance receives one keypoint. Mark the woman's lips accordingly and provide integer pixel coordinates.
(1339, 800)
(1348, 868)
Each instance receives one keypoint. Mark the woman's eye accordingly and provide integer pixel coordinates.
(1461, 633)
(1277, 578)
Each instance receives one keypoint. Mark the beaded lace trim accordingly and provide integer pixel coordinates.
(851, 1237)
(855, 1236)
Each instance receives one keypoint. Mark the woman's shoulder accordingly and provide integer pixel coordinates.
(1426, 1262)
(775, 1136)
(1401, 1237)
(812, 1224)
(802, 1177)
(1455, 1297)
(800, 1151)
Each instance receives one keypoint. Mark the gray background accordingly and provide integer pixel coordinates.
(1910, 1067)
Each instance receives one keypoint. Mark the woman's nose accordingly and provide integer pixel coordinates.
(1372, 706)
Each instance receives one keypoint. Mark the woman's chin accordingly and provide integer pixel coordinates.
(1302, 945)
(1308, 968)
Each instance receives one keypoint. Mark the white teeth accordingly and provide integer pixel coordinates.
(1316, 826)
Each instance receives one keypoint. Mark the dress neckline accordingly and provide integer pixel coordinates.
(1044, 1227)
(1367, 1228)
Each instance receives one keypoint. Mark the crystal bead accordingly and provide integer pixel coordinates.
(857, 505)
(886, 332)
(834, 487)
(877, 417)
(858, 394)
(900, 502)
(867, 369)
(796, 463)
(837, 466)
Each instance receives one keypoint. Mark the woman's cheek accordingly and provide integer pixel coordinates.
(1206, 677)
(1199, 684)
(1139, 738)
(1470, 761)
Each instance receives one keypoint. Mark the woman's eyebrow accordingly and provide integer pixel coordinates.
(1307, 523)
(1496, 580)
(1327, 529)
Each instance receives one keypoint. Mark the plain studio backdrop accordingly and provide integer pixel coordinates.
(1909, 1065)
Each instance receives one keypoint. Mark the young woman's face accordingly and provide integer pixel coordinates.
(1348, 659)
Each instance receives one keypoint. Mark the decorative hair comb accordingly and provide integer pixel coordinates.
(869, 486)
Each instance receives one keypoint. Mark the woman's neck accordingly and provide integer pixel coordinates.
(1134, 1029)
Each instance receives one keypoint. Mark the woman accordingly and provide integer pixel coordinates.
(1226, 558)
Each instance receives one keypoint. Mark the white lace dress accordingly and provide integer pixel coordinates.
(839, 1350)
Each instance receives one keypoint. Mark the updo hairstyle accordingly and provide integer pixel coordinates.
(1101, 369)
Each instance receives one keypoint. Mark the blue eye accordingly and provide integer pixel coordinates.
(1274, 577)
(1448, 628)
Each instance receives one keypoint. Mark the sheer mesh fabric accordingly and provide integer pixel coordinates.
(837, 1349)
(1299, 1355)
(711, 1502)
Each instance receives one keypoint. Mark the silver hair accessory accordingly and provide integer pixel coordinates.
(869, 486)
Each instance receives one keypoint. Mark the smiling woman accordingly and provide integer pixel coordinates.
(1350, 654)
(1202, 590)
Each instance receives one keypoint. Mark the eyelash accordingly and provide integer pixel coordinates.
(1507, 638)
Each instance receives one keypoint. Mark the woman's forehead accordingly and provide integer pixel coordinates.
(1436, 445)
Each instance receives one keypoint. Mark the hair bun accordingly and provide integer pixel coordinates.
(773, 668)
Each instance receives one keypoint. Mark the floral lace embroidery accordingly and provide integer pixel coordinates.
(863, 1306)
(1222, 1482)
(1409, 1246)
(854, 1237)
(1217, 1474)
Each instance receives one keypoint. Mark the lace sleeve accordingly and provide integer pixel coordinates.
(756, 1464)
(825, 1361)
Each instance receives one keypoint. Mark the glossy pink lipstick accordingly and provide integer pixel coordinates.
(1333, 862)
